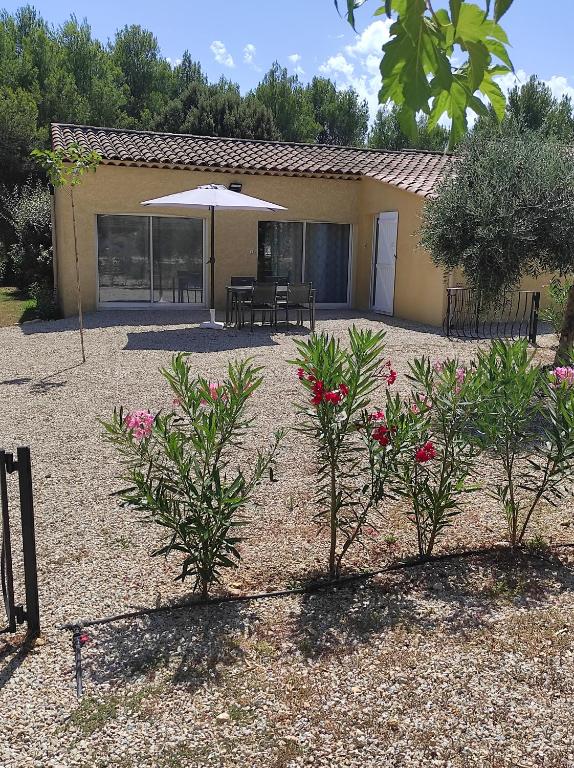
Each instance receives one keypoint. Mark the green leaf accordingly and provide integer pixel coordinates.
(500, 8)
(494, 94)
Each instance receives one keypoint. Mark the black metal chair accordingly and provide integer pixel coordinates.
(263, 299)
(186, 284)
(239, 281)
(300, 298)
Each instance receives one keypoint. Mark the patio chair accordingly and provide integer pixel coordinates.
(240, 281)
(263, 299)
(300, 298)
(185, 285)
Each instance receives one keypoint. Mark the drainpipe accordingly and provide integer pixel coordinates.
(54, 239)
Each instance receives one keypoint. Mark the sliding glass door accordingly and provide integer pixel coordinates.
(327, 261)
(150, 259)
(313, 252)
(124, 258)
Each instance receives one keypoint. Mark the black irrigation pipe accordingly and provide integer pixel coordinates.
(76, 627)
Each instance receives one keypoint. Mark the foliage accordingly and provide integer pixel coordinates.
(342, 117)
(338, 383)
(525, 419)
(386, 133)
(506, 210)
(46, 306)
(67, 166)
(558, 291)
(216, 110)
(533, 107)
(26, 214)
(418, 69)
(179, 465)
(422, 451)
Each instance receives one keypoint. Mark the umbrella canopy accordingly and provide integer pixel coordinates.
(215, 197)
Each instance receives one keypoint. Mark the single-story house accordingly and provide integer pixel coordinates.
(351, 224)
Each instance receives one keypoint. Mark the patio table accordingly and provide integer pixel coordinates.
(240, 293)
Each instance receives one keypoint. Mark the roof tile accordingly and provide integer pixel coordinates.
(413, 170)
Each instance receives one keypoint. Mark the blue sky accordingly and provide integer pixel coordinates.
(241, 38)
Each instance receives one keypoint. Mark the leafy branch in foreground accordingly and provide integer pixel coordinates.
(418, 73)
(179, 466)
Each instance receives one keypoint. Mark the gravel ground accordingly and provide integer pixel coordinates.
(467, 663)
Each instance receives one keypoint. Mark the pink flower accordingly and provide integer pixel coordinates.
(425, 453)
(139, 423)
(563, 375)
(176, 401)
(460, 375)
(439, 366)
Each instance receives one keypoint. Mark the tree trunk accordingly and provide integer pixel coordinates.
(566, 343)
(78, 284)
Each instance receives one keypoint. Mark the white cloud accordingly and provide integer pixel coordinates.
(221, 54)
(337, 65)
(357, 65)
(558, 84)
(299, 70)
(249, 53)
(294, 58)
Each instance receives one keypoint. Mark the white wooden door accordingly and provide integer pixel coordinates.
(385, 257)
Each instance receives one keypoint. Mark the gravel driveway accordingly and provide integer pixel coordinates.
(469, 663)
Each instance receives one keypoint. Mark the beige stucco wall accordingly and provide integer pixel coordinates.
(117, 190)
(419, 285)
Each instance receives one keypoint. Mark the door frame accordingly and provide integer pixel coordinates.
(152, 305)
(372, 286)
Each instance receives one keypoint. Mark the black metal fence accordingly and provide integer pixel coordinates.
(513, 316)
(30, 612)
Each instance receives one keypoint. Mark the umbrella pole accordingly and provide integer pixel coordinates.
(212, 266)
(211, 323)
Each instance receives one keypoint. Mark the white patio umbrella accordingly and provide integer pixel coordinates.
(215, 197)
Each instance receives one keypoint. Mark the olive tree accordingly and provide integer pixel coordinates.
(505, 211)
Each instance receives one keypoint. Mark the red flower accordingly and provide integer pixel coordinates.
(84, 638)
(377, 416)
(391, 377)
(333, 397)
(318, 390)
(425, 453)
(382, 435)
(344, 389)
(300, 373)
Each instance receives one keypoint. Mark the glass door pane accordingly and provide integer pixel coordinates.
(280, 250)
(177, 260)
(124, 258)
(327, 261)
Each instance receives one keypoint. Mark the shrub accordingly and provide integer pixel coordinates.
(338, 383)
(525, 419)
(27, 253)
(179, 466)
(558, 295)
(421, 449)
(46, 306)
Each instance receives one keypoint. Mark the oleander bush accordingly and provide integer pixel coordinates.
(179, 466)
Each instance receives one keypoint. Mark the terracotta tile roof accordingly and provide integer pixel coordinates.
(412, 170)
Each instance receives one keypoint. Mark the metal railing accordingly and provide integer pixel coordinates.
(17, 613)
(513, 316)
